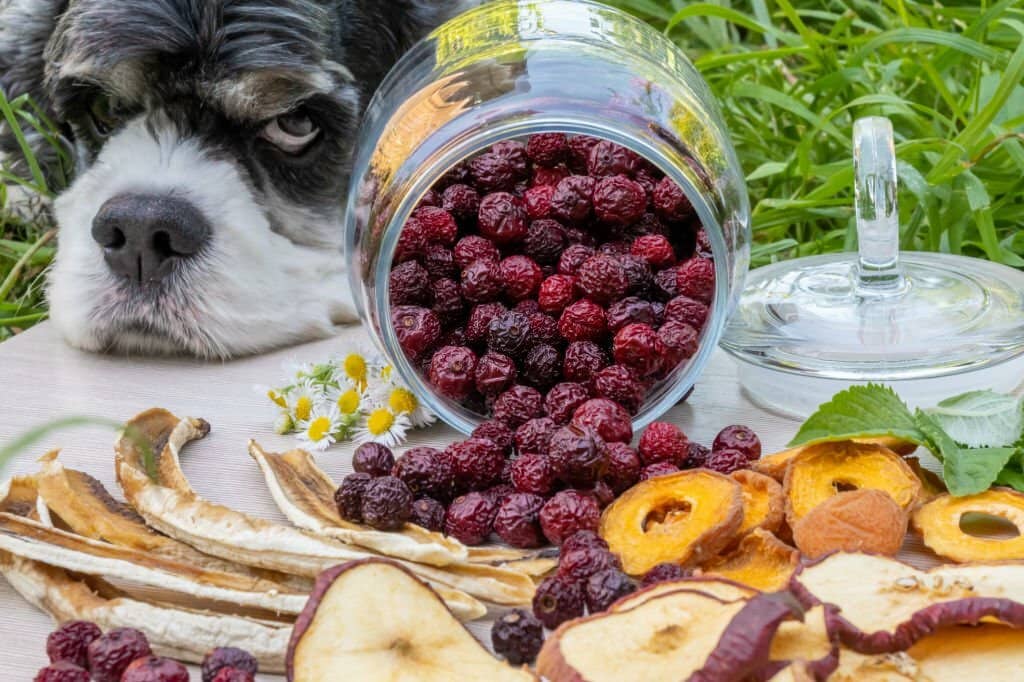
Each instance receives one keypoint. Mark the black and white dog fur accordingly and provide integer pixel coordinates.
(212, 142)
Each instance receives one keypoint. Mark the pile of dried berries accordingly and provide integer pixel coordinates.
(543, 274)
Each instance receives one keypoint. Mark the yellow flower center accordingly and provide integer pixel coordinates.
(277, 399)
(303, 407)
(348, 402)
(402, 400)
(355, 369)
(380, 421)
(385, 372)
(319, 428)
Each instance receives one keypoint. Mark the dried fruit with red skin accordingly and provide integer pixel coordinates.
(548, 149)
(563, 399)
(542, 366)
(606, 587)
(630, 310)
(234, 675)
(518, 520)
(698, 456)
(537, 203)
(375, 459)
(670, 201)
(387, 503)
(438, 224)
(459, 174)
(602, 278)
(545, 240)
(474, 247)
(411, 242)
(624, 467)
(535, 434)
(658, 469)
(618, 384)
(679, 340)
(514, 152)
(470, 518)
(572, 201)
(638, 347)
(664, 573)
(497, 432)
(639, 277)
(509, 334)
(567, 513)
(349, 496)
(495, 373)
(727, 461)
(481, 281)
(619, 201)
(738, 437)
(439, 263)
(477, 463)
(502, 218)
(500, 492)
(522, 277)
(655, 249)
(426, 471)
(113, 652)
(153, 669)
(696, 278)
(584, 539)
(517, 636)
(527, 307)
(703, 245)
(606, 418)
(533, 473)
(62, 671)
(545, 176)
(70, 641)
(544, 329)
(556, 292)
(556, 601)
(582, 320)
(518, 404)
(449, 305)
(452, 371)
(665, 286)
(462, 202)
(573, 257)
(417, 329)
(480, 318)
(582, 360)
(607, 158)
(688, 311)
(409, 284)
(428, 513)
(581, 563)
(430, 198)
(664, 442)
(578, 454)
(492, 173)
(579, 151)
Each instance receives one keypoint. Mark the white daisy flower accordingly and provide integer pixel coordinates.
(401, 400)
(304, 399)
(381, 425)
(283, 424)
(354, 368)
(319, 430)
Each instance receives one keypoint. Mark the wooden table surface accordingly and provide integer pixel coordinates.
(43, 379)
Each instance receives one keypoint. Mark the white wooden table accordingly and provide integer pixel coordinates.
(42, 379)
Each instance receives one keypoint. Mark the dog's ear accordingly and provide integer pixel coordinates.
(25, 29)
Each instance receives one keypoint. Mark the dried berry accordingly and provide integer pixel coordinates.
(480, 319)
(153, 669)
(62, 671)
(374, 459)
(582, 360)
(696, 278)
(477, 463)
(573, 257)
(426, 471)
(70, 642)
(234, 675)
(702, 244)
(452, 371)
(474, 247)
(428, 513)
(501, 492)
(502, 218)
(449, 305)
(602, 278)
(727, 461)
(619, 201)
(582, 320)
(557, 600)
(522, 277)
(618, 384)
(548, 176)
(387, 503)
(606, 587)
(687, 311)
(737, 437)
(658, 469)
(438, 224)
(664, 573)
(509, 334)
(113, 652)
(527, 307)
(579, 151)
(584, 539)
(514, 153)
(664, 442)
(563, 399)
(439, 262)
(665, 286)
(518, 404)
(624, 467)
(517, 636)
(602, 492)
(495, 373)
(572, 201)
(556, 292)
(496, 431)
(581, 563)
(638, 347)
(607, 158)
(698, 455)
(578, 454)
(492, 173)
(568, 512)
(542, 366)
(349, 496)
(462, 202)
(534, 435)
(459, 174)
(655, 249)
(470, 518)
(607, 419)
(537, 203)
(417, 329)
(628, 311)
(548, 149)
(228, 657)
(545, 240)
(518, 520)
(409, 284)
(532, 473)
(544, 329)
(679, 341)
(670, 201)
(411, 242)
(481, 281)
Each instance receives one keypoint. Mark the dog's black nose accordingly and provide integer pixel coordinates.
(145, 236)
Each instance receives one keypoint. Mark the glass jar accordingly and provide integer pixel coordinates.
(510, 69)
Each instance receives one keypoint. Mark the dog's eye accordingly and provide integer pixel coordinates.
(104, 114)
(291, 133)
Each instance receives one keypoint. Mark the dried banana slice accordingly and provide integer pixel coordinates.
(171, 506)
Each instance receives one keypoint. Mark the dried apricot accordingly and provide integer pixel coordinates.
(865, 520)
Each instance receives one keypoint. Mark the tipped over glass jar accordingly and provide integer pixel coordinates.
(546, 208)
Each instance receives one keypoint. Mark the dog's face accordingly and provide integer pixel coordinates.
(212, 141)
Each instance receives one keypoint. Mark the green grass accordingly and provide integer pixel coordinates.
(792, 75)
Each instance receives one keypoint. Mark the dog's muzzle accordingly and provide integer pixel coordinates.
(145, 237)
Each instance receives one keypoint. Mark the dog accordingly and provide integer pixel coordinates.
(212, 142)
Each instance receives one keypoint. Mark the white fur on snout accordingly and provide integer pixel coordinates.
(250, 289)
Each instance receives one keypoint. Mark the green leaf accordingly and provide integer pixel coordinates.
(1012, 477)
(966, 471)
(980, 418)
(858, 412)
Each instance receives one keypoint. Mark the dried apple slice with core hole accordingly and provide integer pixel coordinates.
(764, 505)
(808, 645)
(761, 561)
(720, 588)
(940, 523)
(682, 518)
(775, 465)
(822, 471)
(887, 605)
(373, 620)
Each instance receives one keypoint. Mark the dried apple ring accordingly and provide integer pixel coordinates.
(764, 505)
(684, 518)
(938, 522)
(775, 464)
(826, 469)
(761, 561)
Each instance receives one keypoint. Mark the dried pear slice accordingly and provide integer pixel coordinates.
(886, 605)
(938, 522)
(720, 588)
(683, 518)
(822, 470)
(761, 561)
(775, 465)
(764, 505)
(808, 644)
(171, 506)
